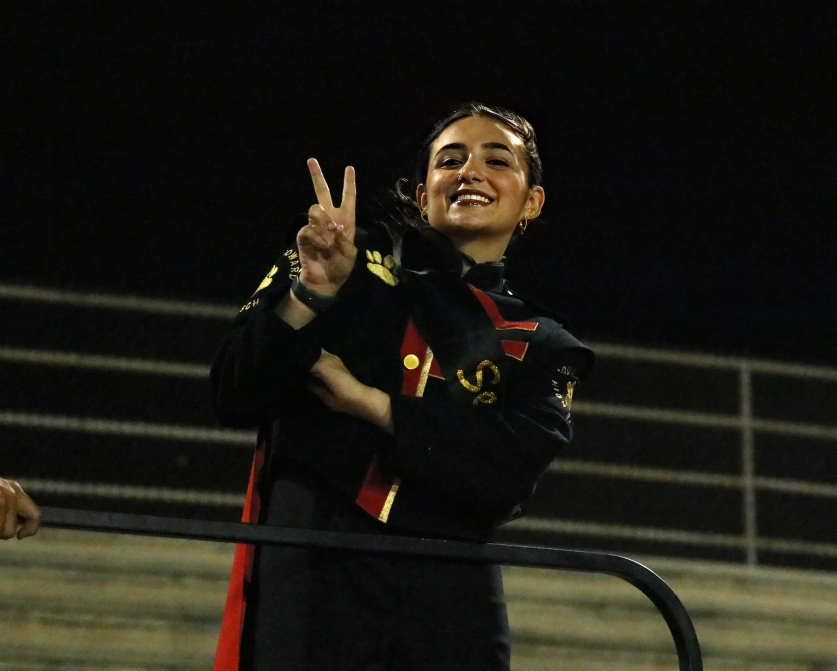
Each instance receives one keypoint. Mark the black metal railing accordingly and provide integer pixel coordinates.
(641, 577)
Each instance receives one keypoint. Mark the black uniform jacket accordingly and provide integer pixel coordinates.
(481, 384)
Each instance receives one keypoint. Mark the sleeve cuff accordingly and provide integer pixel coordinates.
(292, 351)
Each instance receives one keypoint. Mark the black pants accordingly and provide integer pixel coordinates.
(326, 610)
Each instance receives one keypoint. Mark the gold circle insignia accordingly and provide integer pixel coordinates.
(411, 362)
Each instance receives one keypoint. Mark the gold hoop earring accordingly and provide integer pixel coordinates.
(523, 224)
(423, 215)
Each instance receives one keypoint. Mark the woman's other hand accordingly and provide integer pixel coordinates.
(326, 245)
(19, 516)
(342, 392)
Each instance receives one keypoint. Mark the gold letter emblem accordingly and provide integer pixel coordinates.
(486, 397)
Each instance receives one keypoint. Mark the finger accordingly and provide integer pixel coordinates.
(349, 190)
(27, 510)
(9, 521)
(320, 186)
(6, 494)
(323, 373)
(321, 392)
(318, 215)
(322, 223)
(344, 245)
(316, 388)
(348, 203)
(309, 235)
(324, 365)
(328, 360)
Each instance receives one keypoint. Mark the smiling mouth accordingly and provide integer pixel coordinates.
(470, 199)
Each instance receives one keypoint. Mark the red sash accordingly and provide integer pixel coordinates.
(229, 642)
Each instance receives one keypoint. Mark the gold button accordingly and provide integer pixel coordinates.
(411, 362)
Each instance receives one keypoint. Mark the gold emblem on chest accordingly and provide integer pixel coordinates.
(382, 266)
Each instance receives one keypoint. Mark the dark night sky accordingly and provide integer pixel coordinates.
(690, 153)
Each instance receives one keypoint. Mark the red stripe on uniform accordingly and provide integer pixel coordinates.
(515, 348)
(494, 312)
(374, 490)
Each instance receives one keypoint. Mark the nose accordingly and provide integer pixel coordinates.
(470, 172)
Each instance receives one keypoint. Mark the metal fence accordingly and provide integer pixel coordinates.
(747, 423)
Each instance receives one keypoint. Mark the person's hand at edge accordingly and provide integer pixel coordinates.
(19, 516)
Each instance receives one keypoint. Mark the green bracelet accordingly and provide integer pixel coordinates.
(316, 302)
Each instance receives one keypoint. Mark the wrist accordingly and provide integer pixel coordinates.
(313, 300)
(294, 312)
(327, 289)
(377, 409)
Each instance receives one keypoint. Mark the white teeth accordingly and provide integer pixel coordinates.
(471, 198)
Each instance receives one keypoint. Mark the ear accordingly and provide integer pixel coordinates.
(534, 204)
(421, 196)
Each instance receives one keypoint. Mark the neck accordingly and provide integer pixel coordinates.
(480, 249)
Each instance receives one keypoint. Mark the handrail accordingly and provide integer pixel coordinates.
(641, 577)
(718, 361)
(649, 414)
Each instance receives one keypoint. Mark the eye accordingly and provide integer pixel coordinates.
(499, 161)
(450, 162)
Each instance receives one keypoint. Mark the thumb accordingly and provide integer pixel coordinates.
(27, 510)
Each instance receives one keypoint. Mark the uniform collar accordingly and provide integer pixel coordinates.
(485, 276)
(424, 251)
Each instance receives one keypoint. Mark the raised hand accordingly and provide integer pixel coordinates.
(327, 249)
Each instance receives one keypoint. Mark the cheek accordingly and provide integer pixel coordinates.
(512, 191)
(438, 187)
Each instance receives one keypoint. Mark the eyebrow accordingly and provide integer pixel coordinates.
(485, 145)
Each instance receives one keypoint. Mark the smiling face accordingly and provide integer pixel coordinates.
(477, 188)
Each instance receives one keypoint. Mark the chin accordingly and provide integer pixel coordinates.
(463, 229)
(468, 221)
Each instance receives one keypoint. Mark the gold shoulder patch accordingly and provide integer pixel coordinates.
(566, 399)
(268, 279)
(382, 267)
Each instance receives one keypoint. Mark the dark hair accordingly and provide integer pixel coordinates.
(513, 121)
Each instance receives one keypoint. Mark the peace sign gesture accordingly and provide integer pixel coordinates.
(326, 245)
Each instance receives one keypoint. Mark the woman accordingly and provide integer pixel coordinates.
(400, 387)
(19, 516)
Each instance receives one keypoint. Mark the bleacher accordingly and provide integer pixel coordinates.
(86, 601)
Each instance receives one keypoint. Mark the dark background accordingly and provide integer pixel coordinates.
(689, 148)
